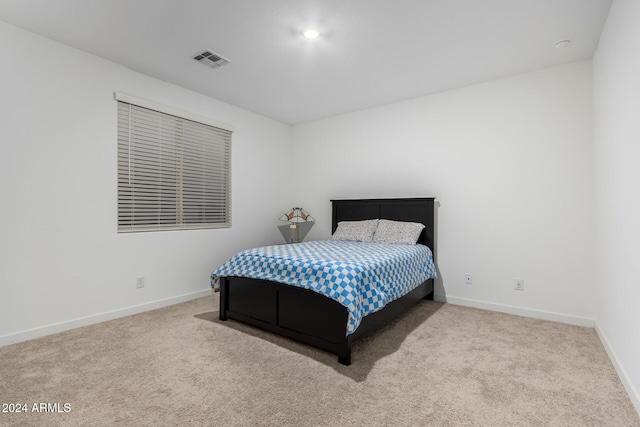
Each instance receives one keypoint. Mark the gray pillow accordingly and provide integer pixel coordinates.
(400, 232)
(356, 231)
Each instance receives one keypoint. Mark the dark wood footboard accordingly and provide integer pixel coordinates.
(304, 315)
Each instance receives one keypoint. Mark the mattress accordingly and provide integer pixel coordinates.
(363, 277)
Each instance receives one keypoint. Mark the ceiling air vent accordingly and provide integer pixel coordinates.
(211, 59)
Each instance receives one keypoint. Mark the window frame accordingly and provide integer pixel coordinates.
(182, 192)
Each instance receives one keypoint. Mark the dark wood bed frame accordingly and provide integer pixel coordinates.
(315, 319)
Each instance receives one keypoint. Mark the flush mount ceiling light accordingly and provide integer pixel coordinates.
(311, 34)
(561, 44)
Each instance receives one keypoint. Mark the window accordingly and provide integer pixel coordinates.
(174, 169)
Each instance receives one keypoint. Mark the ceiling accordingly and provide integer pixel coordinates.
(370, 52)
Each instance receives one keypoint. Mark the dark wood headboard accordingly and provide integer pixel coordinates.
(412, 210)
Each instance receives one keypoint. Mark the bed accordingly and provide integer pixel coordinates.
(309, 317)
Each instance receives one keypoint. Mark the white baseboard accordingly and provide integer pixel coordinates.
(622, 374)
(519, 311)
(97, 318)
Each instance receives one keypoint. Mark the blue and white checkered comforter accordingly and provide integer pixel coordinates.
(363, 277)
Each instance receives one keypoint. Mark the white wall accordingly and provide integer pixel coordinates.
(62, 262)
(617, 141)
(511, 164)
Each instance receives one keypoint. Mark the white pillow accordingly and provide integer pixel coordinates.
(405, 233)
(356, 231)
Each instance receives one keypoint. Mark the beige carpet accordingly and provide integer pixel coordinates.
(438, 365)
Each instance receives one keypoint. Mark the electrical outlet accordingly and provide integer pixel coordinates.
(140, 282)
(468, 278)
(518, 285)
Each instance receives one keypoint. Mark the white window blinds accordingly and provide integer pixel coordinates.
(173, 173)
